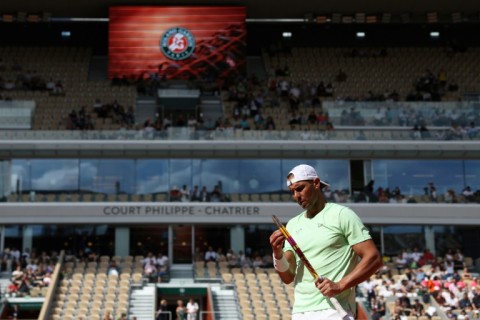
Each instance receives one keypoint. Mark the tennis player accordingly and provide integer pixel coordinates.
(334, 240)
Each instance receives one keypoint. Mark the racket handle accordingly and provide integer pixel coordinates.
(338, 307)
(336, 304)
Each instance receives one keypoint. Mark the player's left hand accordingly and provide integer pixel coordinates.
(327, 287)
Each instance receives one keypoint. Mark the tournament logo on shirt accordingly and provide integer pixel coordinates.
(177, 43)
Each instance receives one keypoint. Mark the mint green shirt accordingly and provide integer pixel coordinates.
(326, 241)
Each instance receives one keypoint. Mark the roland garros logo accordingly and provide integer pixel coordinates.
(177, 43)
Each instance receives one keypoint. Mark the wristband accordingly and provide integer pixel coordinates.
(281, 265)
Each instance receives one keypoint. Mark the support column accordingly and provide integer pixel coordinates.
(237, 239)
(122, 241)
(27, 241)
(2, 238)
(430, 239)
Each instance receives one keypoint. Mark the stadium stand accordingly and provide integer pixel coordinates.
(352, 92)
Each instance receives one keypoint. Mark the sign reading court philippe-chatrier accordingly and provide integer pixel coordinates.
(181, 210)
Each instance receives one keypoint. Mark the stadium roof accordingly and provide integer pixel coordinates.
(255, 9)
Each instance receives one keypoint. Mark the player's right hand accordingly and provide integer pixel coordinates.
(277, 240)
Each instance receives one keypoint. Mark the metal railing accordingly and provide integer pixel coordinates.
(191, 134)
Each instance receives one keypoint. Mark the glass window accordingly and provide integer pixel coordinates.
(238, 176)
(107, 175)
(20, 180)
(152, 176)
(335, 172)
(412, 176)
(76, 240)
(216, 236)
(234, 175)
(54, 175)
(180, 173)
(472, 174)
(213, 172)
(259, 176)
(397, 238)
(376, 234)
(257, 239)
(13, 237)
(448, 238)
(145, 239)
(5, 179)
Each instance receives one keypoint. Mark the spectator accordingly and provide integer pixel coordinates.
(449, 269)
(450, 196)
(47, 279)
(456, 132)
(15, 313)
(270, 123)
(210, 255)
(468, 194)
(361, 135)
(108, 315)
(162, 264)
(472, 130)
(192, 310)
(379, 117)
(378, 308)
(401, 263)
(244, 123)
(232, 260)
(464, 302)
(113, 269)
(369, 287)
(417, 307)
(12, 289)
(175, 194)
(50, 85)
(181, 311)
(184, 194)
(150, 269)
(257, 261)
(458, 260)
(217, 195)
(162, 312)
(259, 121)
(312, 118)
(98, 108)
(368, 190)
(25, 286)
(431, 192)
(476, 299)
(58, 89)
(220, 255)
(195, 194)
(204, 195)
(17, 274)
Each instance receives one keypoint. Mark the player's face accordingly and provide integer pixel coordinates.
(303, 192)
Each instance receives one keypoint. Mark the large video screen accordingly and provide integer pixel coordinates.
(176, 42)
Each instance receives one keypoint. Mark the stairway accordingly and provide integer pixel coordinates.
(212, 109)
(224, 303)
(181, 274)
(98, 68)
(142, 302)
(5, 277)
(146, 109)
(256, 67)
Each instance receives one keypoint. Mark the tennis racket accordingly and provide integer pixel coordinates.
(307, 264)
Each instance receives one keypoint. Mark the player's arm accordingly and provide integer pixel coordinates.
(287, 272)
(370, 262)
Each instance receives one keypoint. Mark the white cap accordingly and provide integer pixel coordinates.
(303, 172)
